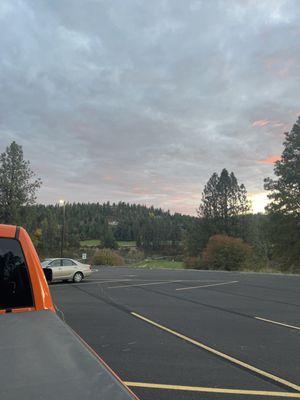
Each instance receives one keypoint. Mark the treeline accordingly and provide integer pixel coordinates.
(152, 229)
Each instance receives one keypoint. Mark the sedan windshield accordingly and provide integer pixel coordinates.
(45, 263)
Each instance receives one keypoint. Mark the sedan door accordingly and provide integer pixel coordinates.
(69, 268)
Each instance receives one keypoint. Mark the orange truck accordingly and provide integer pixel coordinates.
(40, 356)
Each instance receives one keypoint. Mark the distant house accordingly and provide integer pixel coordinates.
(113, 223)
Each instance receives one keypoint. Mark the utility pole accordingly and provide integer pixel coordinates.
(62, 204)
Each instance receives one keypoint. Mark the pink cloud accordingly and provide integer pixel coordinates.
(269, 160)
(261, 122)
(141, 191)
(178, 198)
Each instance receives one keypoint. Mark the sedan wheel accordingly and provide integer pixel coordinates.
(77, 277)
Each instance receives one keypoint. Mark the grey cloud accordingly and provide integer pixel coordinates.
(142, 101)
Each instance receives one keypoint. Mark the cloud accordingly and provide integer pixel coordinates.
(260, 123)
(143, 101)
(270, 160)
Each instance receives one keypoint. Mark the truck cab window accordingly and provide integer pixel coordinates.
(15, 289)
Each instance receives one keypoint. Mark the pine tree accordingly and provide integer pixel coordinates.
(285, 191)
(284, 209)
(107, 237)
(17, 184)
(224, 200)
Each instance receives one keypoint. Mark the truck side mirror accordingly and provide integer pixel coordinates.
(48, 274)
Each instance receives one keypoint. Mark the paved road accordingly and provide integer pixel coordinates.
(204, 334)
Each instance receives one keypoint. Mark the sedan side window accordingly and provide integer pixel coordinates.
(55, 263)
(67, 262)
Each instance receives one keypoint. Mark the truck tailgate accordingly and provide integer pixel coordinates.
(42, 358)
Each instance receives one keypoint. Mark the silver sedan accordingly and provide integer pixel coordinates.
(65, 269)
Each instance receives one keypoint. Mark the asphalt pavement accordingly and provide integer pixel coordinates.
(186, 334)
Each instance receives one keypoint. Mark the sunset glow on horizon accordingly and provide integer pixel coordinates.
(259, 202)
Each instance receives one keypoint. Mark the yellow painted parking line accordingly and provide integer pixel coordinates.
(278, 323)
(218, 353)
(201, 286)
(142, 284)
(212, 390)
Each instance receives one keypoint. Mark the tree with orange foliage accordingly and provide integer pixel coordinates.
(226, 253)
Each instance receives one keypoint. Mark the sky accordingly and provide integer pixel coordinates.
(141, 101)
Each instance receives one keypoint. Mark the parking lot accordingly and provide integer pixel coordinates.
(181, 334)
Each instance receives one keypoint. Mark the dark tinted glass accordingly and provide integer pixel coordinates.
(15, 290)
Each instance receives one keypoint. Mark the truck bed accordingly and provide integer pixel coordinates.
(42, 358)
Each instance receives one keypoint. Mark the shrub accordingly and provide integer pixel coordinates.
(135, 255)
(226, 253)
(107, 257)
(193, 263)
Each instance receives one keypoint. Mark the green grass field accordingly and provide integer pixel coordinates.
(131, 243)
(96, 242)
(160, 264)
(90, 243)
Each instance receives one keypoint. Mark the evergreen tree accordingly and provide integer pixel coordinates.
(17, 184)
(224, 200)
(196, 237)
(107, 237)
(284, 209)
(285, 191)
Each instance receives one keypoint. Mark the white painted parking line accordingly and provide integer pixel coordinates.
(278, 323)
(142, 284)
(107, 279)
(141, 278)
(91, 281)
(203, 286)
(94, 282)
